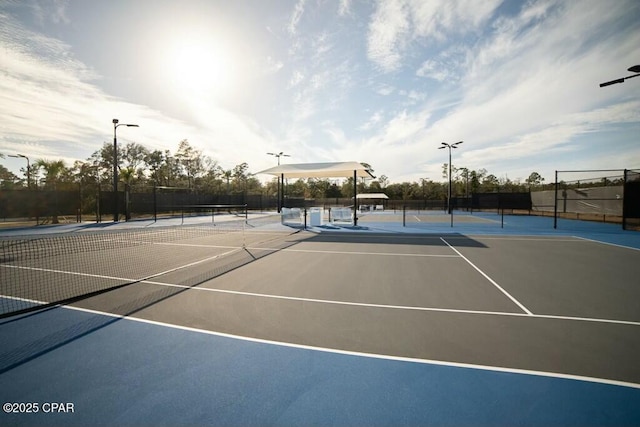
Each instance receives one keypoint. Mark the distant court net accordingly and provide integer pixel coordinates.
(41, 271)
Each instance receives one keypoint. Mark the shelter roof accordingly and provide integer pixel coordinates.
(372, 196)
(319, 170)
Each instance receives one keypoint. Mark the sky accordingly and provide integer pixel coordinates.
(382, 82)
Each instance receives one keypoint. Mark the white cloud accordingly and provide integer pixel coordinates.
(344, 7)
(373, 120)
(432, 69)
(385, 90)
(404, 126)
(272, 65)
(54, 11)
(387, 32)
(438, 19)
(298, 10)
(396, 24)
(296, 78)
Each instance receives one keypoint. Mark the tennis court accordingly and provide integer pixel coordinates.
(381, 324)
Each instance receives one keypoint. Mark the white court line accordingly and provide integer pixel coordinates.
(493, 282)
(396, 307)
(517, 238)
(356, 304)
(369, 355)
(607, 243)
(416, 217)
(315, 251)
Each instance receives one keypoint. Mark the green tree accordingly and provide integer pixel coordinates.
(155, 161)
(239, 175)
(191, 162)
(127, 176)
(7, 178)
(54, 170)
(490, 183)
(227, 176)
(534, 180)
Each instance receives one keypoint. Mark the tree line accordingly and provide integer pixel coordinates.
(141, 169)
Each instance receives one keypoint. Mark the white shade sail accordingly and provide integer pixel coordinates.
(319, 170)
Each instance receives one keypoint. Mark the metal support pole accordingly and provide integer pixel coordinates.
(555, 204)
(282, 191)
(115, 172)
(278, 195)
(115, 166)
(449, 199)
(355, 199)
(624, 201)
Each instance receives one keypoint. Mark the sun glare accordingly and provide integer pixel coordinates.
(199, 67)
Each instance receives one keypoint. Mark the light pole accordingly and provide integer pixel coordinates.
(450, 146)
(277, 156)
(28, 168)
(634, 69)
(115, 166)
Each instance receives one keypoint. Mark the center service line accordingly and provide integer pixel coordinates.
(525, 309)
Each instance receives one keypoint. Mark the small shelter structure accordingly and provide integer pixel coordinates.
(353, 170)
(372, 197)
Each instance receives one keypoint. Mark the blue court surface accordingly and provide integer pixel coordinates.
(382, 324)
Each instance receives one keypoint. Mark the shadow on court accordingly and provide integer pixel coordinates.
(460, 240)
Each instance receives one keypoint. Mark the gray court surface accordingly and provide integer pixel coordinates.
(555, 304)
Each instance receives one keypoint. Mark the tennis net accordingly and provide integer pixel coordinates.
(46, 270)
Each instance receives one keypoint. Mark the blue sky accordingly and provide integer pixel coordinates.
(378, 82)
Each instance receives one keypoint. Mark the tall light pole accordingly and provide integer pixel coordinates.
(277, 156)
(450, 146)
(634, 69)
(115, 166)
(28, 168)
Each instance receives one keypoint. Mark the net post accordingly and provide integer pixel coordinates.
(404, 216)
(555, 203)
(246, 213)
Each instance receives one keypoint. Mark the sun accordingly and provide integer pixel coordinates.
(199, 67)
